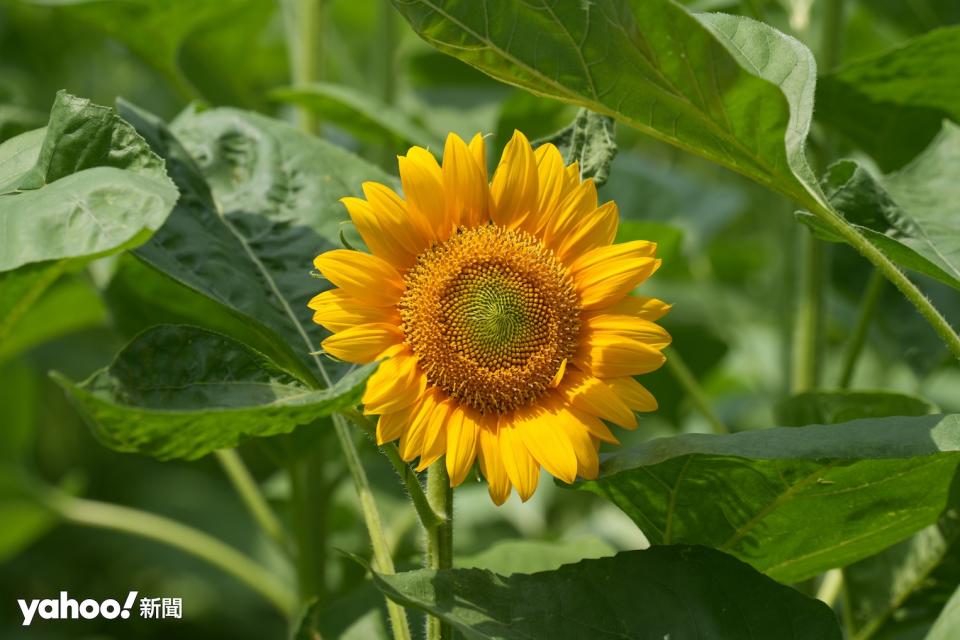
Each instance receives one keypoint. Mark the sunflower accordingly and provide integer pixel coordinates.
(499, 312)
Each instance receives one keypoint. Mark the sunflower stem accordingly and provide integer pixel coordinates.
(428, 517)
(439, 538)
(682, 374)
(382, 560)
(871, 297)
(304, 22)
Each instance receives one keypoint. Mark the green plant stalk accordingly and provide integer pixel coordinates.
(871, 297)
(246, 487)
(179, 536)
(382, 560)
(304, 23)
(439, 538)
(309, 509)
(891, 272)
(428, 517)
(682, 374)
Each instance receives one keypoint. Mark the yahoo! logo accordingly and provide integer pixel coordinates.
(66, 608)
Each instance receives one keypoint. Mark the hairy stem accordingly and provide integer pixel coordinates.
(682, 374)
(428, 517)
(248, 490)
(179, 536)
(382, 560)
(871, 297)
(439, 538)
(892, 273)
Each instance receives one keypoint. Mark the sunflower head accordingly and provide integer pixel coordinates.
(500, 313)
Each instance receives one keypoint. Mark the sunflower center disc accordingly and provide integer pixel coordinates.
(492, 314)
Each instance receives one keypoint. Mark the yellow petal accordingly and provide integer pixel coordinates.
(409, 229)
(641, 306)
(548, 445)
(362, 275)
(465, 185)
(491, 462)
(591, 395)
(584, 446)
(629, 327)
(411, 443)
(570, 214)
(514, 187)
(595, 229)
(391, 426)
(552, 180)
(363, 343)
(633, 393)
(605, 275)
(607, 355)
(522, 469)
(378, 232)
(422, 183)
(463, 428)
(435, 433)
(397, 383)
(558, 376)
(336, 311)
(479, 153)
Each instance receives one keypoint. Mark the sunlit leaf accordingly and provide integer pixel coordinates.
(867, 484)
(730, 89)
(682, 592)
(181, 392)
(948, 623)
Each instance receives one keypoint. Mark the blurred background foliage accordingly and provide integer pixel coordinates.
(729, 250)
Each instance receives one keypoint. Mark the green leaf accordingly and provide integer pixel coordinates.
(94, 187)
(15, 119)
(678, 592)
(590, 141)
(947, 625)
(901, 590)
(831, 407)
(729, 89)
(181, 392)
(892, 104)
(529, 556)
(867, 484)
(259, 202)
(908, 214)
(360, 114)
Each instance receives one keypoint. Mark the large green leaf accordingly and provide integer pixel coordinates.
(891, 105)
(89, 186)
(259, 201)
(866, 484)
(909, 215)
(678, 592)
(181, 392)
(730, 89)
(85, 186)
